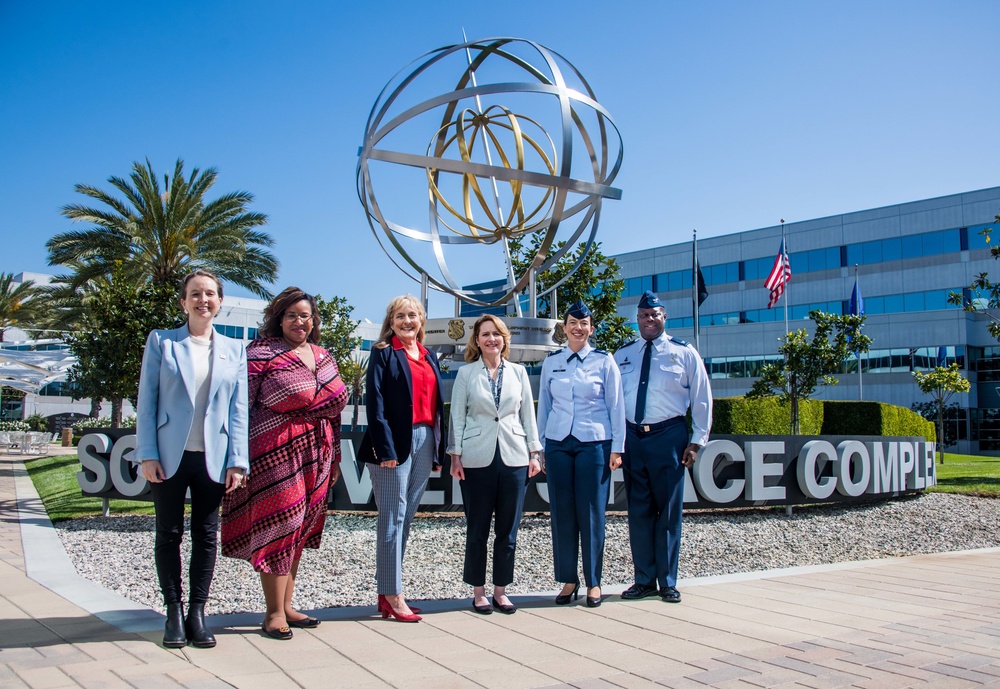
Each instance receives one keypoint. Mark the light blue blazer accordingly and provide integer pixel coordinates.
(165, 412)
(477, 426)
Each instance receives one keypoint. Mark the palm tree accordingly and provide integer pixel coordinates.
(15, 303)
(158, 234)
(354, 373)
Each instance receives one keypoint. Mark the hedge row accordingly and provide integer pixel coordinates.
(740, 416)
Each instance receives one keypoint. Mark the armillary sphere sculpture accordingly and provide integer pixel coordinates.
(489, 171)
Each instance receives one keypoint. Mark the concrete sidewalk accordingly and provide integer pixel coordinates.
(925, 621)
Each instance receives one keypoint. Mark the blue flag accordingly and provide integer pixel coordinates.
(857, 301)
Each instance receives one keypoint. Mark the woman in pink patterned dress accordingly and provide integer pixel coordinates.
(296, 397)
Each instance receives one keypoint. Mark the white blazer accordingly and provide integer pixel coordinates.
(477, 425)
(165, 410)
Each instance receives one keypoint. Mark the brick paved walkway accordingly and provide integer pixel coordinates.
(925, 621)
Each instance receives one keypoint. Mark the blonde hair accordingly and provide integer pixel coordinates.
(472, 352)
(385, 337)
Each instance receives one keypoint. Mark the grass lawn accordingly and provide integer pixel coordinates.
(968, 475)
(55, 480)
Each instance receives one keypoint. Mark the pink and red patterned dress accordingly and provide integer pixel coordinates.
(294, 439)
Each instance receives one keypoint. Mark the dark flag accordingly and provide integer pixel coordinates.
(857, 301)
(700, 288)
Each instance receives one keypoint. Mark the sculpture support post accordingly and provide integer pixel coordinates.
(532, 295)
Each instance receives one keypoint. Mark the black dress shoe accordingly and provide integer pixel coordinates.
(482, 609)
(279, 633)
(593, 602)
(638, 591)
(670, 595)
(506, 609)
(566, 599)
(173, 631)
(306, 623)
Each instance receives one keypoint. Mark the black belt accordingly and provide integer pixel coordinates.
(643, 428)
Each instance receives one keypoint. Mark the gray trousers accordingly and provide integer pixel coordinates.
(397, 494)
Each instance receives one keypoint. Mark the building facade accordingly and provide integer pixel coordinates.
(907, 258)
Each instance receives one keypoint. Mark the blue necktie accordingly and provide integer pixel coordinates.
(640, 394)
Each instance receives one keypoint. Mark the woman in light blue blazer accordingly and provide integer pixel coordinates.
(191, 433)
(493, 443)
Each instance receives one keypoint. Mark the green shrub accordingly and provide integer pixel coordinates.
(765, 416)
(874, 418)
(102, 422)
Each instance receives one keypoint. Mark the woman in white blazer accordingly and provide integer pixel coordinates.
(191, 433)
(493, 443)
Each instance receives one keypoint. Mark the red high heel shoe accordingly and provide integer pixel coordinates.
(386, 609)
(381, 599)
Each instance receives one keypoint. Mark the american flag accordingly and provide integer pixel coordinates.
(781, 273)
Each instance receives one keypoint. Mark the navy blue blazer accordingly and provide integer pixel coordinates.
(389, 405)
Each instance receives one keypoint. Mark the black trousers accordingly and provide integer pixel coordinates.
(493, 493)
(168, 501)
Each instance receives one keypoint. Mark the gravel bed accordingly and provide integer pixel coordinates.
(117, 552)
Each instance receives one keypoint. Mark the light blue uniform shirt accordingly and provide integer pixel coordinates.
(581, 395)
(677, 380)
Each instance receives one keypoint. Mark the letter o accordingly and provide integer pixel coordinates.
(846, 452)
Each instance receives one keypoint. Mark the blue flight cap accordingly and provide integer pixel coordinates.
(579, 310)
(649, 300)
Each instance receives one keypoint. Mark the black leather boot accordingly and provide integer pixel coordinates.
(173, 633)
(197, 631)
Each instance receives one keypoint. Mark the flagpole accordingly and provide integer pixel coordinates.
(784, 248)
(694, 290)
(857, 286)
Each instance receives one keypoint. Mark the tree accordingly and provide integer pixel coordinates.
(15, 303)
(941, 384)
(596, 282)
(952, 416)
(983, 290)
(109, 350)
(337, 333)
(354, 373)
(808, 364)
(159, 234)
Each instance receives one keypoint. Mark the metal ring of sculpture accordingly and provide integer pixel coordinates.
(534, 170)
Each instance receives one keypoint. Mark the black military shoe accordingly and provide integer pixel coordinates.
(637, 591)
(670, 595)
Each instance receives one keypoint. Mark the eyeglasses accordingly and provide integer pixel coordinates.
(292, 317)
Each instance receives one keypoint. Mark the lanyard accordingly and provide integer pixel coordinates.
(495, 385)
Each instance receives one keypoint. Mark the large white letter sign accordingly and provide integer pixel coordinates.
(809, 461)
(95, 477)
(852, 483)
(885, 477)
(757, 469)
(723, 452)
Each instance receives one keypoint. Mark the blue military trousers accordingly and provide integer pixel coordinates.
(654, 487)
(579, 479)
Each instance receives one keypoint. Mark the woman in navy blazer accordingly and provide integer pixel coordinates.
(493, 443)
(404, 441)
(191, 433)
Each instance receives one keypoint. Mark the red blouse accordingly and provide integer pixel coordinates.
(425, 392)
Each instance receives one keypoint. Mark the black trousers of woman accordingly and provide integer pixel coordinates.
(168, 500)
(494, 490)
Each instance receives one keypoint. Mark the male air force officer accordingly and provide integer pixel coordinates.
(662, 377)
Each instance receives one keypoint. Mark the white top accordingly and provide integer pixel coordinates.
(677, 380)
(201, 356)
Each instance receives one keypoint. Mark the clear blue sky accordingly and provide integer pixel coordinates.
(733, 114)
